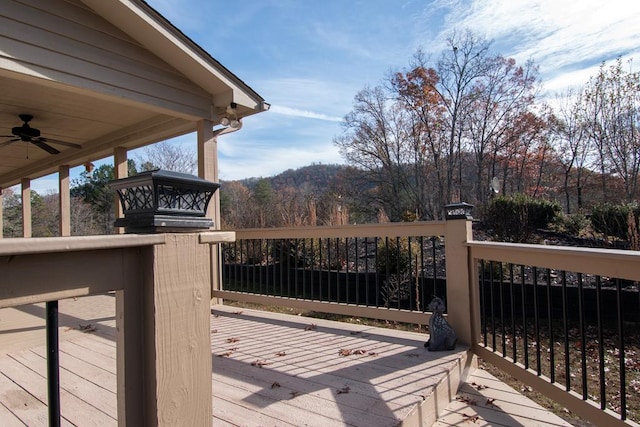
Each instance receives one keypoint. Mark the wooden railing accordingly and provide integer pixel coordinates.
(556, 319)
(359, 270)
(161, 315)
(162, 284)
(259, 258)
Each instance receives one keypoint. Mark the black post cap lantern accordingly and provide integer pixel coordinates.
(162, 201)
(458, 211)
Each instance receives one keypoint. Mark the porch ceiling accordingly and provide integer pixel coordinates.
(106, 79)
(95, 123)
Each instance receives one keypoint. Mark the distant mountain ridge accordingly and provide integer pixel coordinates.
(308, 178)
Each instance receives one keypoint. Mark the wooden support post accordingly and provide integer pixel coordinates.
(208, 166)
(208, 169)
(120, 170)
(459, 302)
(130, 329)
(26, 207)
(1, 214)
(64, 199)
(166, 333)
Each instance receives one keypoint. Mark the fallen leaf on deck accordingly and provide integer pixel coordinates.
(344, 352)
(478, 386)
(490, 402)
(472, 418)
(237, 312)
(467, 400)
(275, 385)
(311, 327)
(233, 339)
(87, 328)
(281, 353)
(345, 389)
(259, 363)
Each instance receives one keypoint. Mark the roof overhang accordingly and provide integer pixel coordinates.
(96, 114)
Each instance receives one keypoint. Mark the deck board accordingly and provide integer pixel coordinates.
(268, 369)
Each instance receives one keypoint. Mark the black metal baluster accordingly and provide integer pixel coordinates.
(398, 272)
(514, 340)
(565, 326)
(243, 284)
(623, 376)
(346, 269)
(320, 278)
(328, 269)
(525, 335)
(313, 269)
(260, 281)
(536, 319)
(357, 267)
(412, 265)
(253, 266)
(366, 268)
(583, 340)
(502, 325)
(493, 312)
(435, 266)
(483, 302)
(305, 258)
(552, 362)
(375, 264)
(274, 277)
(603, 388)
(53, 363)
(296, 287)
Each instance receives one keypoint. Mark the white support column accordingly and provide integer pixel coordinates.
(26, 207)
(64, 199)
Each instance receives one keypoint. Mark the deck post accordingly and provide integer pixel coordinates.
(458, 231)
(164, 325)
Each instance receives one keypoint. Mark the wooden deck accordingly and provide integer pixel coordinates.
(268, 370)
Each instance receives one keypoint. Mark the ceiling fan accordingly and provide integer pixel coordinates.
(28, 134)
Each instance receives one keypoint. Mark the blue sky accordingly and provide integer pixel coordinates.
(309, 58)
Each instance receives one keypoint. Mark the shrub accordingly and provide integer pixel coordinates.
(573, 224)
(393, 255)
(613, 220)
(513, 218)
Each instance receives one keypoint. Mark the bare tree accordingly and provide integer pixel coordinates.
(376, 141)
(171, 157)
(611, 109)
(572, 142)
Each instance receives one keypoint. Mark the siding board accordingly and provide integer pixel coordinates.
(57, 49)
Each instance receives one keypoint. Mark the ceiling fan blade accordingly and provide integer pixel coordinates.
(45, 147)
(11, 141)
(58, 142)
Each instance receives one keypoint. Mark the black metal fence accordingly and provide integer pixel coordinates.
(386, 272)
(580, 331)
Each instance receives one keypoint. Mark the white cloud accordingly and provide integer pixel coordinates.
(287, 111)
(269, 161)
